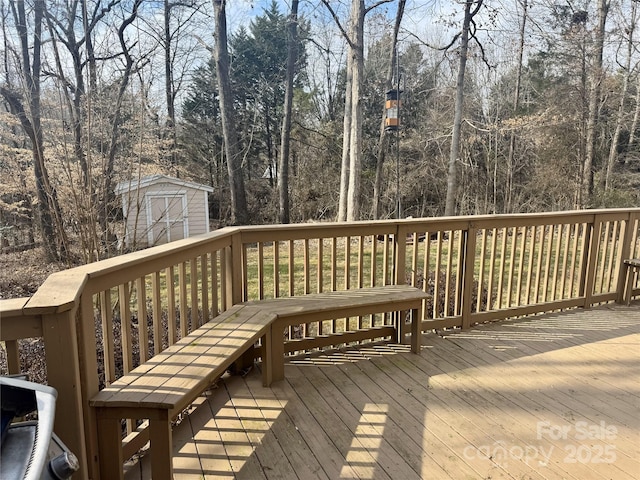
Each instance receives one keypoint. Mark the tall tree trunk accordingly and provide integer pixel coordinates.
(383, 138)
(452, 176)
(355, 140)
(107, 198)
(636, 115)
(285, 137)
(239, 214)
(508, 207)
(50, 218)
(586, 190)
(346, 143)
(613, 149)
(168, 88)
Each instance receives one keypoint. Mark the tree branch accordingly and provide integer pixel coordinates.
(337, 20)
(376, 5)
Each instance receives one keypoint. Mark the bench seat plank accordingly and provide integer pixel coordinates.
(188, 366)
(329, 302)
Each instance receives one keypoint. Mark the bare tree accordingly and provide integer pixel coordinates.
(516, 105)
(239, 214)
(471, 8)
(29, 114)
(285, 139)
(613, 148)
(349, 207)
(383, 139)
(586, 190)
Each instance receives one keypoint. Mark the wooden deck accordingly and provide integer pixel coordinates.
(553, 397)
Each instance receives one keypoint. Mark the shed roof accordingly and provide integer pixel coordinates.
(144, 182)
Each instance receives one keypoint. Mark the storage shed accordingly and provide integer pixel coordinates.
(160, 209)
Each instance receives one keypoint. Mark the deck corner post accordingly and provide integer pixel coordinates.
(63, 373)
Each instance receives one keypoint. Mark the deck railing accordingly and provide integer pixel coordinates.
(100, 320)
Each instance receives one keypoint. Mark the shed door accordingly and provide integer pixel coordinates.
(167, 217)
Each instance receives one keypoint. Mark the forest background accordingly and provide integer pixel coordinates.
(506, 106)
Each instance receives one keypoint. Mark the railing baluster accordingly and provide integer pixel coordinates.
(501, 272)
(481, 268)
(157, 312)
(492, 268)
(612, 264)
(436, 281)
(347, 263)
(169, 274)
(556, 260)
(334, 266)
(320, 266)
(276, 268)
(106, 317)
(374, 260)
(204, 288)
(260, 268)
(307, 267)
(193, 284)
(143, 335)
(291, 267)
(512, 264)
(449, 272)
(565, 258)
(546, 284)
(214, 284)
(425, 273)
(124, 300)
(182, 286)
(386, 259)
(574, 259)
(224, 294)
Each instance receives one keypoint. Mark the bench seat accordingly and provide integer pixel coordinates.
(169, 382)
(339, 304)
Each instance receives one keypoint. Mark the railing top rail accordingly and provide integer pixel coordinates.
(62, 290)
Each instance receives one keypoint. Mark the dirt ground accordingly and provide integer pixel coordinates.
(21, 273)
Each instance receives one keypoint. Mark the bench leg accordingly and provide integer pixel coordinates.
(416, 329)
(267, 359)
(161, 448)
(109, 447)
(629, 284)
(277, 351)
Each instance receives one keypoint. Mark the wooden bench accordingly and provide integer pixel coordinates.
(162, 387)
(631, 266)
(170, 381)
(341, 304)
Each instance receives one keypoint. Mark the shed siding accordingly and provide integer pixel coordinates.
(136, 212)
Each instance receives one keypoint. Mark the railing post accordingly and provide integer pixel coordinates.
(400, 261)
(63, 373)
(590, 260)
(625, 252)
(469, 258)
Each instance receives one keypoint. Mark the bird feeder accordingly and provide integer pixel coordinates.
(392, 105)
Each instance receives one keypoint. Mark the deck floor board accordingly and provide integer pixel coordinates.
(551, 397)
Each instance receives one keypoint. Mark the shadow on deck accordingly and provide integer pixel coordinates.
(555, 396)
